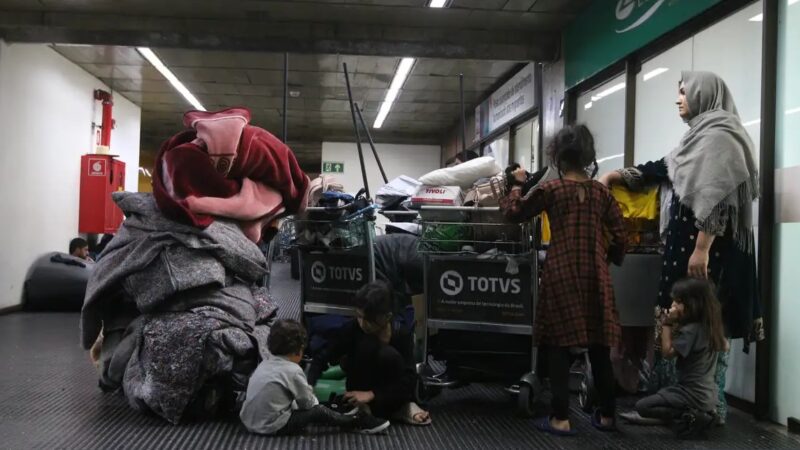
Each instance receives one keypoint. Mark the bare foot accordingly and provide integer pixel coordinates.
(606, 421)
(421, 417)
(561, 425)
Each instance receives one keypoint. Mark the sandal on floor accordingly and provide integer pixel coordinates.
(408, 414)
(598, 423)
(543, 424)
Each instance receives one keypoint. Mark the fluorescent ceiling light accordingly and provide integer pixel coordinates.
(752, 122)
(72, 45)
(792, 2)
(176, 83)
(609, 91)
(654, 73)
(403, 69)
(609, 158)
(757, 18)
(587, 106)
(792, 111)
(437, 3)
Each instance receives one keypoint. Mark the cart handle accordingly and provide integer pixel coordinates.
(398, 213)
(324, 209)
(460, 208)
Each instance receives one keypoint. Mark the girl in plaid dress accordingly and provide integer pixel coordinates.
(576, 303)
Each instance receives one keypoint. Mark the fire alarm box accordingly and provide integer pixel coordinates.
(101, 176)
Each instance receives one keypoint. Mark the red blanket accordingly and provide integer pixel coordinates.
(224, 167)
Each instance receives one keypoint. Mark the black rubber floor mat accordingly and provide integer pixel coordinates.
(49, 399)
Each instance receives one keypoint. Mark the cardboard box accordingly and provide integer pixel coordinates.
(438, 196)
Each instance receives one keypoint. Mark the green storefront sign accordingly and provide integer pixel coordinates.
(332, 167)
(609, 30)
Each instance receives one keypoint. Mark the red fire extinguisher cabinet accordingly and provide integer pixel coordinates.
(101, 175)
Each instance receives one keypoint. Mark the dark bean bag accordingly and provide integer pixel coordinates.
(56, 282)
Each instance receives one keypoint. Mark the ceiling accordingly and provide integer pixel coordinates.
(425, 110)
(507, 27)
(231, 54)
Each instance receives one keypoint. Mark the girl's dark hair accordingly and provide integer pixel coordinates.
(573, 149)
(700, 304)
(286, 337)
(375, 301)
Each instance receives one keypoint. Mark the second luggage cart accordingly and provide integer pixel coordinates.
(481, 286)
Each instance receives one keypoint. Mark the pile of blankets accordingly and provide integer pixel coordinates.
(175, 311)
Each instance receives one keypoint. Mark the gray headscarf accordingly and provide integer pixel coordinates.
(713, 170)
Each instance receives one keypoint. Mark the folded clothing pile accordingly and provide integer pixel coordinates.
(393, 194)
(178, 308)
(174, 312)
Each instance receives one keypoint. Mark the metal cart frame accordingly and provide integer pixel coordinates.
(317, 269)
(516, 241)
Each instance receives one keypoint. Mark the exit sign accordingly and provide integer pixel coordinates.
(332, 167)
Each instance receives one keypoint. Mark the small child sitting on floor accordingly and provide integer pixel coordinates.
(698, 335)
(279, 399)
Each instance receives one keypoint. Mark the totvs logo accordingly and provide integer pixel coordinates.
(321, 273)
(452, 283)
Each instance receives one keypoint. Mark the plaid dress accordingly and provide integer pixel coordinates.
(576, 302)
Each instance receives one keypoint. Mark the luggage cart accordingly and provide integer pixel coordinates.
(336, 259)
(401, 216)
(268, 249)
(481, 275)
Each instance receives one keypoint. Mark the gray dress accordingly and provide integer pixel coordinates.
(696, 365)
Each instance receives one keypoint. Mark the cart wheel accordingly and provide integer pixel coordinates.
(528, 395)
(587, 394)
(424, 393)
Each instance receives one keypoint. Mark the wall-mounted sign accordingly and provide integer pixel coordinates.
(609, 30)
(516, 97)
(98, 167)
(332, 167)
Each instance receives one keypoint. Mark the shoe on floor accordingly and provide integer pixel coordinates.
(342, 406)
(543, 424)
(597, 422)
(367, 424)
(694, 425)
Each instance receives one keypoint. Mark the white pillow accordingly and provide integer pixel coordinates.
(464, 174)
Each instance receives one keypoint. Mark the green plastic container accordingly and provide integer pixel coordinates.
(325, 388)
(333, 373)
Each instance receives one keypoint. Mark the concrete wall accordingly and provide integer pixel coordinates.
(46, 111)
(410, 160)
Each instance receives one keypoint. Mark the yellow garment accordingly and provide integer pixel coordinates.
(637, 205)
(545, 229)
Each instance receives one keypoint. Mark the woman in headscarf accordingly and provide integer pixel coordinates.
(710, 182)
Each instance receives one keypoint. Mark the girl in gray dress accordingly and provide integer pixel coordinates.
(693, 335)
